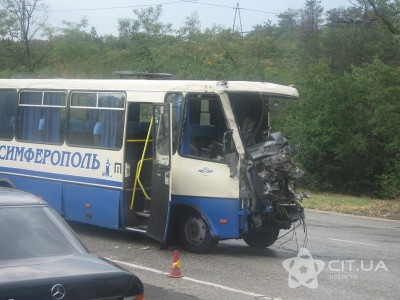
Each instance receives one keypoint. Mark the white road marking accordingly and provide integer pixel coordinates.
(226, 288)
(352, 242)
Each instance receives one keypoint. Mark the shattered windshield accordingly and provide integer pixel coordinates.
(257, 115)
(251, 114)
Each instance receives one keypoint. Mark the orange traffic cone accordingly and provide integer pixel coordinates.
(176, 266)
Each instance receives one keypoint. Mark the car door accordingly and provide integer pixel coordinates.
(161, 173)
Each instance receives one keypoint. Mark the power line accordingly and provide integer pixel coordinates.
(227, 6)
(188, 2)
(162, 3)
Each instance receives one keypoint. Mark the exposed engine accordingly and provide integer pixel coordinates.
(273, 176)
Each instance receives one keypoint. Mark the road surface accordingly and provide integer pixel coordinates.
(346, 257)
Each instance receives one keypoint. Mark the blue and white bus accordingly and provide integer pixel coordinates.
(194, 160)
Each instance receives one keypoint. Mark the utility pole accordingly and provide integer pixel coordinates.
(237, 12)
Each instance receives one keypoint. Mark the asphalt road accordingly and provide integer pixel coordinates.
(348, 258)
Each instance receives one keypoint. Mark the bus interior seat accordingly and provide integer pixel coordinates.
(202, 136)
(89, 126)
(97, 134)
(77, 132)
(41, 127)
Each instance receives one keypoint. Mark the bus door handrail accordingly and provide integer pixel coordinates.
(137, 180)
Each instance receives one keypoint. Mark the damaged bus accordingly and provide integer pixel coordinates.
(193, 161)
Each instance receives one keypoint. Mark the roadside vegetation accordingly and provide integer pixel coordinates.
(345, 63)
(360, 205)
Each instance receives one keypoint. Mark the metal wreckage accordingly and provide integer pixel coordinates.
(268, 177)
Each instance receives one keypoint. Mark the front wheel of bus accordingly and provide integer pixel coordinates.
(261, 239)
(195, 235)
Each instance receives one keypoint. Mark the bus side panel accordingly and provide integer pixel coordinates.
(50, 191)
(92, 205)
(222, 214)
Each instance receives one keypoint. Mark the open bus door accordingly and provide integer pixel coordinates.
(161, 173)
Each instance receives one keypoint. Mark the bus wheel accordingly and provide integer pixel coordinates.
(195, 235)
(261, 239)
(4, 182)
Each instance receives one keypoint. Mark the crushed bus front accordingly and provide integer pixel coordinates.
(267, 172)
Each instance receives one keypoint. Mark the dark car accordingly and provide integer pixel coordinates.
(42, 258)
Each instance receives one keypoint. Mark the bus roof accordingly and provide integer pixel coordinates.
(151, 85)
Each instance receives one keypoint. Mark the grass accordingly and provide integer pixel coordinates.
(362, 206)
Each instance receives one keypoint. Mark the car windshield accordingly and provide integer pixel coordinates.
(34, 231)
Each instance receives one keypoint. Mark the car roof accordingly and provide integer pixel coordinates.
(14, 197)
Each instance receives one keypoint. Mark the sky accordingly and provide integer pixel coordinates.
(104, 14)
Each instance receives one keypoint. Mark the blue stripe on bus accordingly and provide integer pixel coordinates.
(61, 177)
(96, 205)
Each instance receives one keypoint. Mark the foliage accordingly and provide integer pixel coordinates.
(20, 22)
(349, 129)
(361, 205)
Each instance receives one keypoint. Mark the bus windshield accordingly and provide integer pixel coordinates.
(256, 114)
(251, 114)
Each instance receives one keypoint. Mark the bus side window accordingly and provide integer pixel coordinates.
(203, 127)
(40, 116)
(8, 107)
(54, 112)
(96, 119)
(176, 99)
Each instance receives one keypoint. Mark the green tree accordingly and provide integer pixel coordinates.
(348, 126)
(289, 19)
(145, 35)
(388, 12)
(310, 26)
(20, 23)
(78, 52)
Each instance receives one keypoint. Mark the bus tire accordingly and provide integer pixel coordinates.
(261, 239)
(4, 182)
(195, 235)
